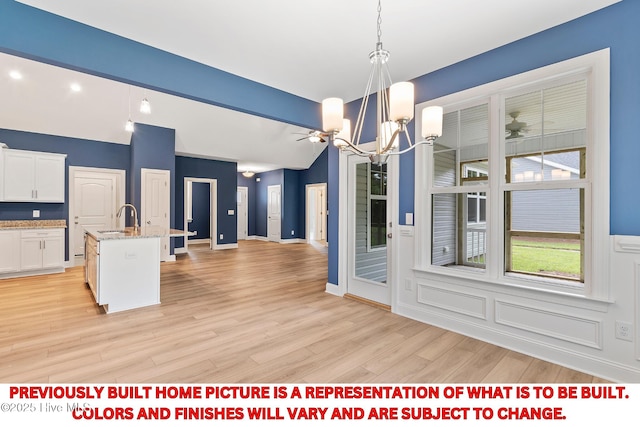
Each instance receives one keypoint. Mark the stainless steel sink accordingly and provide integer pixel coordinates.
(111, 231)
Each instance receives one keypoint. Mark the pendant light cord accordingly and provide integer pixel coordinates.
(379, 22)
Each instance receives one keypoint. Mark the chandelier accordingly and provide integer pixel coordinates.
(394, 111)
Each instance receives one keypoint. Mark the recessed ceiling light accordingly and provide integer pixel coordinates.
(15, 74)
(76, 87)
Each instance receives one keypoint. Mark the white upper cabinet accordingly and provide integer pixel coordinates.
(30, 176)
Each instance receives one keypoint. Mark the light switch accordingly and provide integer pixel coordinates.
(408, 218)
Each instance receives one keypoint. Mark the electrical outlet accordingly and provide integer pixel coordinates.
(36, 213)
(292, 233)
(624, 331)
(408, 285)
(222, 237)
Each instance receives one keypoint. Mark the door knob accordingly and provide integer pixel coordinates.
(149, 222)
(389, 235)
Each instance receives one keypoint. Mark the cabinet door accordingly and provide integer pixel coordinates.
(49, 178)
(19, 175)
(30, 253)
(52, 252)
(9, 253)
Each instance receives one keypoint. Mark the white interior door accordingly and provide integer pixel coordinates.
(155, 200)
(316, 212)
(243, 213)
(369, 231)
(94, 204)
(273, 213)
(321, 216)
(312, 217)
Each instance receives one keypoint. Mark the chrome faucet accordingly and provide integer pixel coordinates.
(135, 213)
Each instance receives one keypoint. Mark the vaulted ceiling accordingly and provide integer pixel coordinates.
(312, 48)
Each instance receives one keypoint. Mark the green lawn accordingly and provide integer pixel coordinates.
(556, 258)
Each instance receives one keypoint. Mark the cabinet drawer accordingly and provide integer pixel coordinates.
(41, 233)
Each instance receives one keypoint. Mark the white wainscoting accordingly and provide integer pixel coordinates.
(571, 331)
(554, 324)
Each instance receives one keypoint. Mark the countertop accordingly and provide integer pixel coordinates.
(33, 223)
(99, 233)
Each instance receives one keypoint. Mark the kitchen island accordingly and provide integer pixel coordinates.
(122, 267)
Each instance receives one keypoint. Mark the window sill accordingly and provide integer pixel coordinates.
(533, 289)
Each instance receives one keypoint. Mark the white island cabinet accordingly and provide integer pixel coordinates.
(122, 267)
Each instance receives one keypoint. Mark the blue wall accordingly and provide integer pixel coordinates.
(292, 204)
(152, 147)
(80, 152)
(226, 175)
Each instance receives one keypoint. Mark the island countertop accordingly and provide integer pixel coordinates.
(100, 233)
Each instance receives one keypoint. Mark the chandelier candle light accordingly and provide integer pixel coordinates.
(394, 112)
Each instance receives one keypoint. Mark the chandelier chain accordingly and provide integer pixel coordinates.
(379, 22)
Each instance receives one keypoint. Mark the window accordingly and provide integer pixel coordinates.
(377, 206)
(516, 188)
(545, 155)
(460, 162)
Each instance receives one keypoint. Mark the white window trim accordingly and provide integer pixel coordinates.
(596, 286)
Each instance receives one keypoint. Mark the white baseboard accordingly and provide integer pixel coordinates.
(178, 251)
(199, 241)
(293, 241)
(261, 238)
(332, 289)
(226, 246)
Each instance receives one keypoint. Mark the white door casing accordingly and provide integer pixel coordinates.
(274, 205)
(213, 209)
(155, 207)
(243, 213)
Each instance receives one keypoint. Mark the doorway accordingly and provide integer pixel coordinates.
(316, 213)
(366, 244)
(190, 201)
(274, 206)
(243, 213)
(94, 197)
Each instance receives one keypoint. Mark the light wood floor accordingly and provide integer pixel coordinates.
(258, 314)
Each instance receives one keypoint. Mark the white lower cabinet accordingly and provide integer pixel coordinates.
(31, 251)
(9, 255)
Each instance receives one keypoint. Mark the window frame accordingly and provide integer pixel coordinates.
(595, 186)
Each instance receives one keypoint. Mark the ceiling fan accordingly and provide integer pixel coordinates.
(515, 127)
(314, 136)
